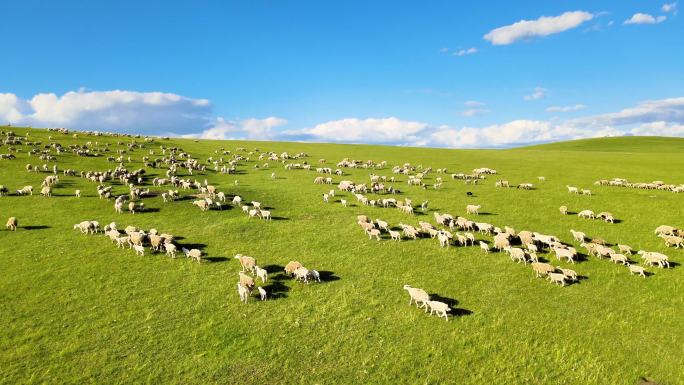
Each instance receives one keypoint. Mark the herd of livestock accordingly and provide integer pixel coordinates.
(381, 191)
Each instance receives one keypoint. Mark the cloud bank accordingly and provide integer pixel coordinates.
(543, 26)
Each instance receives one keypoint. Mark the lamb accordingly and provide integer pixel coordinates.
(12, 224)
(634, 269)
(563, 210)
(193, 254)
(568, 273)
(439, 307)
(291, 267)
(243, 292)
(586, 192)
(253, 213)
(572, 190)
(625, 249)
(557, 278)
(237, 200)
(261, 273)
(302, 274)
(443, 239)
(419, 296)
(262, 293)
(247, 263)
(516, 254)
(586, 214)
(265, 215)
(382, 225)
(77, 193)
(484, 247)
(257, 205)
(46, 191)
(542, 269)
(373, 233)
(315, 275)
(473, 209)
(202, 204)
(170, 249)
(139, 250)
(85, 227)
(343, 202)
(131, 207)
(246, 280)
(615, 257)
(395, 235)
(578, 236)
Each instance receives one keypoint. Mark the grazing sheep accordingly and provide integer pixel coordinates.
(257, 205)
(262, 293)
(419, 296)
(246, 262)
(202, 204)
(131, 207)
(557, 278)
(373, 233)
(501, 241)
(542, 269)
(586, 214)
(572, 190)
(170, 249)
(193, 254)
(243, 292)
(564, 253)
(619, 258)
(473, 209)
(261, 273)
(395, 235)
(625, 249)
(265, 215)
(291, 267)
(568, 273)
(253, 213)
(12, 224)
(315, 275)
(121, 242)
(237, 200)
(586, 192)
(484, 247)
(46, 191)
(516, 254)
(634, 269)
(666, 230)
(85, 227)
(439, 307)
(246, 280)
(139, 250)
(302, 274)
(563, 210)
(77, 193)
(671, 240)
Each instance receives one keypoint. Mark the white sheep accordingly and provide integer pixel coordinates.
(243, 292)
(473, 209)
(440, 308)
(419, 296)
(634, 269)
(262, 293)
(484, 247)
(615, 257)
(170, 249)
(139, 250)
(77, 193)
(373, 233)
(302, 274)
(395, 235)
(578, 236)
(557, 278)
(261, 273)
(586, 214)
(343, 202)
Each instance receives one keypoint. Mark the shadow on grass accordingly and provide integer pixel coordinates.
(37, 227)
(455, 311)
(328, 276)
(148, 210)
(279, 218)
(215, 259)
(487, 214)
(272, 269)
(276, 290)
(190, 246)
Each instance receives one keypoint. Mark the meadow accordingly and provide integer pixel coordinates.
(75, 309)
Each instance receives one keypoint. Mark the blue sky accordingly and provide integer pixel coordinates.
(396, 72)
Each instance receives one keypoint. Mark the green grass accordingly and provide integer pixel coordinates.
(75, 309)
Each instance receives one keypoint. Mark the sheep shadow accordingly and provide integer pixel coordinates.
(674, 264)
(36, 227)
(215, 259)
(184, 198)
(455, 311)
(618, 221)
(148, 210)
(272, 269)
(189, 246)
(486, 214)
(328, 276)
(279, 218)
(276, 289)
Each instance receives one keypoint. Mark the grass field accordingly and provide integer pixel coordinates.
(75, 309)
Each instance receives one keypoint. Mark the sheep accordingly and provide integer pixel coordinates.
(373, 233)
(634, 269)
(382, 225)
(563, 210)
(473, 209)
(246, 262)
(118, 207)
(440, 308)
(302, 274)
(137, 237)
(193, 254)
(501, 241)
(139, 250)
(568, 273)
(624, 249)
(131, 207)
(542, 269)
(12, 224)
(564, 253)
(261, 273)
(443, 239)
(586, 192)
(315, 275)
(253, 213)
(665, 229)
(291, 267)
(516, 254)
(243, 292)
(419, 296)
(484, 247)
(77, 193)
(245, 209)
(262, 293)
(572, 190)
(395, 235)
(121, 242)
(343, 202)
(653, 258)
(257, 205)
(85, 227)
(237, 200)
(170, 249)
(202, 204)
(46, 191)
(671, 240)
(155, 242)
(557, 278)
(246, 280)
(578, 236)
(615, 257)
(470, 237)
(586, 214)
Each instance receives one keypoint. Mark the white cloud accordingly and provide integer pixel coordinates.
(539, 93)
(576, 107)
(644, 18)
(384, 130)
(665, 110)
(253, 129)
(473, 103)
(543, 26)
(475, 108)
(129, 111)
(669, 7)
(659, 129)
(463, 52)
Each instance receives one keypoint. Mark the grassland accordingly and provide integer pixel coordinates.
(75, 309)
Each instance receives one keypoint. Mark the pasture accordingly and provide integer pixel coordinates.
(75, 308)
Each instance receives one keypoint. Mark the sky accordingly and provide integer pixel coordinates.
(438, 73)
